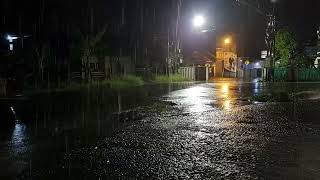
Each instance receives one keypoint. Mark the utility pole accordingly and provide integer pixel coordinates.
(177, 35)
(318, 49)
(267, 10)
(168, 55)
(91, 20)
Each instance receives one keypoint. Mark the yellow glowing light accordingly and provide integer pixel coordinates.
(227, 41)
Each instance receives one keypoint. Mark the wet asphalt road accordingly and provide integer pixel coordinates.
(207, 132)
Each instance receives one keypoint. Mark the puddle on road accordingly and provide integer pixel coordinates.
(209, 97)
(308, 95)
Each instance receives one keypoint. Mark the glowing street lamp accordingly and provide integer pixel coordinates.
(227, 41)
(11, 38)
(198, 21)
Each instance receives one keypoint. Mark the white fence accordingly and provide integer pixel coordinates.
(188, 72)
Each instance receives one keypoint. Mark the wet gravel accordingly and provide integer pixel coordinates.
(204, 139)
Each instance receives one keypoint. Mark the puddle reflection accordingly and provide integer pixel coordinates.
(19, 141)
(225, 96)
(227, 104)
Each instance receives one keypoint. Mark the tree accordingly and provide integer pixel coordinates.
(42, 54)
(286, 45)
(301, 60)
(86, 46)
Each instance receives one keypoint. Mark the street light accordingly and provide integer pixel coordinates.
(198, 21)
(227, 41)
(11, 38)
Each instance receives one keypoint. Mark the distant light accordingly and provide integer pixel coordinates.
(11, 47)
(10, 38)
(204, 31)
(257, 64)
(227, 41)
(198, 21)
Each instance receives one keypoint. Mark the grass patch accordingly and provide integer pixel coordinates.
(68, 88)
(124, 82)
(171, 78)
(113, 83)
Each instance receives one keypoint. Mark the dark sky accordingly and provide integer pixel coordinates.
(228, 17)
(302, 16)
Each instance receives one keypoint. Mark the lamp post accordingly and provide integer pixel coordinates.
(11, 38)
(198, 21)
(227, 41)
(200, 25)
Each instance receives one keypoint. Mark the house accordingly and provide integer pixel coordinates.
(226, 57)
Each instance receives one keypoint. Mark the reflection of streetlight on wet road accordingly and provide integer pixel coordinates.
(226, 104)
(225, 89)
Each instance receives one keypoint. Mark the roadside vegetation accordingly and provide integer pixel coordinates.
(171, 78)
(289, 53)
(114, 83)
(124, 82)
(292, 62)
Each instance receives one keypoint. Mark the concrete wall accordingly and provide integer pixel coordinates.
(228, 74)
(240, 73)
(219, 69)
(253, 73)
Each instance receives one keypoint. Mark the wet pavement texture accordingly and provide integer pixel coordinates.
(50, 125)
(204, 131)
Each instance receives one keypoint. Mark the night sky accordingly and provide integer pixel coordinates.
(225, 15)
(302, 16)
